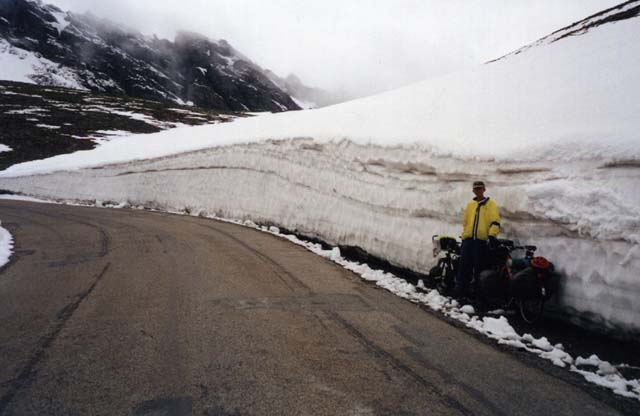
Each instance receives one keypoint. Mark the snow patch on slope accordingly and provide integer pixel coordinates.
(16, 63)
(21, 65)
(62, 21)
(305, 105)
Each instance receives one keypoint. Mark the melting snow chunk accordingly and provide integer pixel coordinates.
(468, 309)
(593, 360)
(498, 328)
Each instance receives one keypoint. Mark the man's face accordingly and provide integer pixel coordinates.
(479, 192)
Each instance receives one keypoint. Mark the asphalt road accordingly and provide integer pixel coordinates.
(121, 312)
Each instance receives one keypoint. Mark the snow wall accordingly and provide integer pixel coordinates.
(553, 129)
(390, 201)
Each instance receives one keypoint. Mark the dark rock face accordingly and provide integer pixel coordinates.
(105, 57)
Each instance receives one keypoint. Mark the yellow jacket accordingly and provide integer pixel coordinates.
(480, 220)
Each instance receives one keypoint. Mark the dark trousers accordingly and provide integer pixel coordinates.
(473, 259)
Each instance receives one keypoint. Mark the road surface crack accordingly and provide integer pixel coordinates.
(451, 402)
(30, 370)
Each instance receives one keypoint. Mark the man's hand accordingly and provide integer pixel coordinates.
(493, 242)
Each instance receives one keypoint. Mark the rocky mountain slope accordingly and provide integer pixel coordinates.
(42, 44)
(37, 122)
(620, 12)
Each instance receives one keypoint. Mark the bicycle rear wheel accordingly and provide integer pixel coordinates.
(530, 309)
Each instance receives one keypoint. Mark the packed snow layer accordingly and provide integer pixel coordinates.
(553, 131)
(390, 201)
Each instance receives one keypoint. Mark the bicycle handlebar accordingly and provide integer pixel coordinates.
(508, 244)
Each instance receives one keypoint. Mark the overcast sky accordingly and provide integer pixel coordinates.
(360, 46)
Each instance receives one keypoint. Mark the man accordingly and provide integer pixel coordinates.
(480, 226)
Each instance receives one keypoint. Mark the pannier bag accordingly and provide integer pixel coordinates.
(444, 243)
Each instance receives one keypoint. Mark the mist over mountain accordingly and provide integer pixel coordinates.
(305, 96)
(40, 43)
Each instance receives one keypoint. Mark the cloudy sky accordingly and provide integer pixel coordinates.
(359, 46)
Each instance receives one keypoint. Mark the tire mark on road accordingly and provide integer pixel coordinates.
(83, 258)
(19, 253)
(22, 210)
(70, 259)
(449, 378)
(30, 370)
(277, 267)
(104, 237)
(450, 401)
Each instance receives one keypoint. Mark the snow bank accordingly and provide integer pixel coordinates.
(390, 202)
(554, 132)
(6, 246)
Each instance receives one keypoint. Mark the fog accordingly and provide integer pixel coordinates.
(356, 46)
